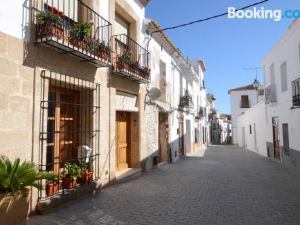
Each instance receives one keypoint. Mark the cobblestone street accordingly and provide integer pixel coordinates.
(228, 186)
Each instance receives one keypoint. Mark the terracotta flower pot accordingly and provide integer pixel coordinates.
(78, 43)
(52, 189)
(13, 209)
(102, 55)
(86, 177)
(50, 30)
(68, 183)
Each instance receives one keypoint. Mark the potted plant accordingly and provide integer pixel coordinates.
(79, 34)
(49, 24)
(86, 176)
(124, 60)
(102, 50)
(70, 175)
(16, 178)
(52, 186)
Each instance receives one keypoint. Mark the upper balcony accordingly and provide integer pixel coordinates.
(131, 59)
(201, 113)
(72, 27)
(270, 94)
(186, 100)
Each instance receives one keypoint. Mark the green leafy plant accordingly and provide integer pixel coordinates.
(54, 178)
(83, 166)
(102, 47)
(72, 170)
(126, 57)
(80, 31)
(46, 18)
(17, 176)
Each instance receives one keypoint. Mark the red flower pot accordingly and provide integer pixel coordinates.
(49, 30)
(86, 177)
(52, 189)
(78, 43)
(68, 183)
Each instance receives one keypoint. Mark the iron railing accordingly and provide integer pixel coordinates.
(72, 27)
(296, 92)
(69, 129)
(186, 100)
(270, 94)
(131, 59)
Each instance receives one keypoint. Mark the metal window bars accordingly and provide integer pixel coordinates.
(69, 126)
(296, 92)
(72, 27)
(131, 59)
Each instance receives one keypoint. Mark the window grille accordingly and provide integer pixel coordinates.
(69, 124)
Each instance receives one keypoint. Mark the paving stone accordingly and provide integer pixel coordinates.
(228, 186)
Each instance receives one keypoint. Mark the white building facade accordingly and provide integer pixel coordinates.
(272, 127)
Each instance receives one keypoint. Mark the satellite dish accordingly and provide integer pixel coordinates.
(154, 93)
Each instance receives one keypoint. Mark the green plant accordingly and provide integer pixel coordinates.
(17, 177)
(126, 57)
(80, 31)
(54, 178)
(46, 18)
(83, 166)
(72, 170)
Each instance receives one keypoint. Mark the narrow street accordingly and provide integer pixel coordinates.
(227, 186)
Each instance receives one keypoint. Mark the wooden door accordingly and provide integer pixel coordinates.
(123, 143)
(276, 141)
(163, 154)
(63, 124)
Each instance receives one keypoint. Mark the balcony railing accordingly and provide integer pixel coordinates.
(72, 27)
(270, 94)
(131, 59)
(201, 113)
(186, 100)
(296, 92)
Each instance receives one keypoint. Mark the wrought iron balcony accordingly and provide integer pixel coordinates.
(131, 59)
(186, 100)
(201, 113)
(296, 92)
(72, 27)
(270, 94)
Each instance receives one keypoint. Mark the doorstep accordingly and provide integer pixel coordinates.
(48, 204)
(128, 173)
(161, 164)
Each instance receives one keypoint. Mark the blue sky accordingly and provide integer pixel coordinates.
(227, 46)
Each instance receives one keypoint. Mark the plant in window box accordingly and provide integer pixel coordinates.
(124, 60)
(79, 35)
(49, 24)
(102, 50)
(146, 72)
(135, 67)
(16, 178)
(86, 176)
(70, 175)
(52, 186)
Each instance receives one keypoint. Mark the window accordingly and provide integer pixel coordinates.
(272, 74)
(296, 92)
(245, 101)
(283, 73)
(250, 129)
(285, 134)
(69, 123)
(163, 81)
(121, 26)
